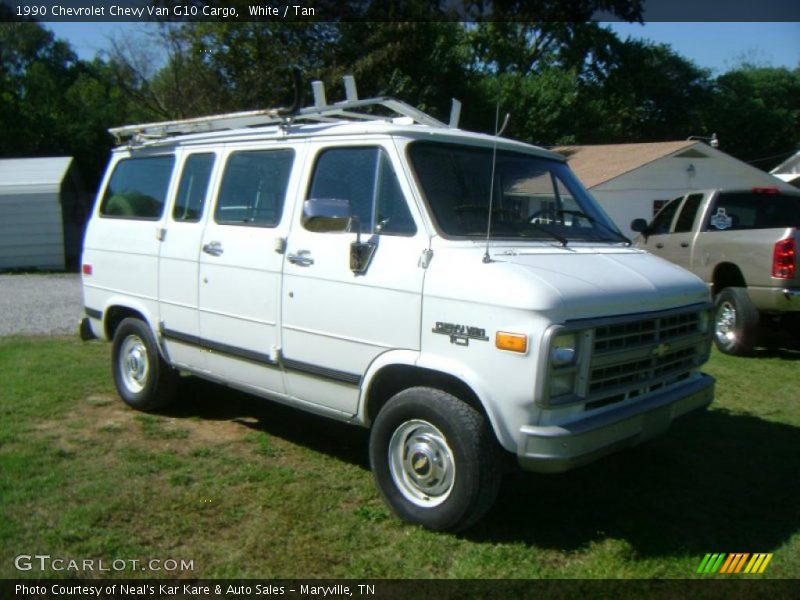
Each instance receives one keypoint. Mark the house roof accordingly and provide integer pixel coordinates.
(597, 164)
(32, 175)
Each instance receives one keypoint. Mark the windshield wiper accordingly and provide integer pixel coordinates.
(512, 235)
(561, 239)
(593, 221)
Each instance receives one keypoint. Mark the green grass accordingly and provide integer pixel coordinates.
(245, 488)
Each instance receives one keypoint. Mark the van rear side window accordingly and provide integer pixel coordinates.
(138, 188)
(254, 188)
(193, 187)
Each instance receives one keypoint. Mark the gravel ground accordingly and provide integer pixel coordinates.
(43, 304)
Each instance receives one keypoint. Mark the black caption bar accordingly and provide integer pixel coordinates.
(379, 589)
(393, 10)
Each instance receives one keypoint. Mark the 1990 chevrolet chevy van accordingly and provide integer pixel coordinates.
(459, 294)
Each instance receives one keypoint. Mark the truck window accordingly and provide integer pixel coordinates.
(752, 210)
(138, 188)
(253, 188)
(365, 177)
(688, 213)
(663, 220)
(193, 187)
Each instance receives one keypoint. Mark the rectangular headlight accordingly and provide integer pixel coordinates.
(564, 350)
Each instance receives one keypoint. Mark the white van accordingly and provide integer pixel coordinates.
(460, 294)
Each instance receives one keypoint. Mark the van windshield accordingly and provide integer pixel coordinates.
(534, 198)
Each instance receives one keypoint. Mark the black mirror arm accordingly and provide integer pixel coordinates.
(354, 220)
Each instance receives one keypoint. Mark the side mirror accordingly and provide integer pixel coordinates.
(639, 225)
(361, 253)
(334, 215)
(327, 215)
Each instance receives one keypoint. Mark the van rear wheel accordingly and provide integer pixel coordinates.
(143, 379)
(434, 459)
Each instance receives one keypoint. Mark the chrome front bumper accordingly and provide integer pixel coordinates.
(553, 449)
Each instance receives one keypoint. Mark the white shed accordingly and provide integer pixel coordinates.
(42, 213)
(636, 180)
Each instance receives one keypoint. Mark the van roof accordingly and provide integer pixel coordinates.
(346, 118)
(390, 127)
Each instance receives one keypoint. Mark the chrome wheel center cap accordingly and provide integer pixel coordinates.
(421, 463)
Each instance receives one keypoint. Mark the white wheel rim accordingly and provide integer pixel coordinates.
(133, 364)
(421, 463)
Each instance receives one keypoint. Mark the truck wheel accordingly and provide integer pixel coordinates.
(735, 322)
(434, 459)
(143, 379)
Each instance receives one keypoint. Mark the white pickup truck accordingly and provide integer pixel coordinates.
(459, 294)
(742, 243)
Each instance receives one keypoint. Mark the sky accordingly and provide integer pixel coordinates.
(716, 46)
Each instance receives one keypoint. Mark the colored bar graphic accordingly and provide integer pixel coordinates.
(703, 563)
(734, 563)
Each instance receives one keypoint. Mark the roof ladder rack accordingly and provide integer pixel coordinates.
(321, 111)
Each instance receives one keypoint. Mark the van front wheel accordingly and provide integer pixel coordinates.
(434, 459)
(143, 379)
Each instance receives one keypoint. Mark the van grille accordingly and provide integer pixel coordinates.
(636, 355)
(647, 331)
(641, 371)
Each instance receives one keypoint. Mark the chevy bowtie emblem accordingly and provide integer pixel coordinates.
(661, 350)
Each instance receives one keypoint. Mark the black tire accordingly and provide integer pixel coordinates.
(143, 379)
(434, 459)
(735, 322)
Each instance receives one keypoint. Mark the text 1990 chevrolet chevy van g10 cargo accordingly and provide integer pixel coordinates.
(459, 294)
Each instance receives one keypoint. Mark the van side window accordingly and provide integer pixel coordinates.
(193, 187)
(253, 188)
(366, 178)
(138, 188)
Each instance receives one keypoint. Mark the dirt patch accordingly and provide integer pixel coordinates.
(104, 418)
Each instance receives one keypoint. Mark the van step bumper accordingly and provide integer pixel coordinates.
(85, 330)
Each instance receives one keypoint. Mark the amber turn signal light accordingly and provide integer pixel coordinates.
(513, 342)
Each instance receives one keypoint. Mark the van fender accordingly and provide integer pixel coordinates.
(481, 389)
(447, 366)
(389, 358)
(127, 303)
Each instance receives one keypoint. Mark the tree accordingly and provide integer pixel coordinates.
(756, 114)
(219, 67)
(53, 104)
(34, 70)
(642, 92)
(424, 63)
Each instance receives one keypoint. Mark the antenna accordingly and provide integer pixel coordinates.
(497, 132)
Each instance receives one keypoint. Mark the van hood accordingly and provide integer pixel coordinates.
(569, 283)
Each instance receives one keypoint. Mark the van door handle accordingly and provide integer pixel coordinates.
(659, 245)
(302, 258)
(213, 248)
(684, 244)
